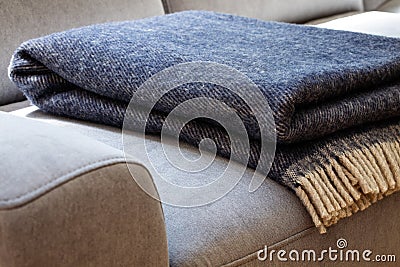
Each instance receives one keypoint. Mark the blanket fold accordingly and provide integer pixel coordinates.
(335, 95)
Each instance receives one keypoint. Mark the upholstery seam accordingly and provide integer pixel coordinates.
(60, 178)
(166, 6)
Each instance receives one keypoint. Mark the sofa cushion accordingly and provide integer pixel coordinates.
(22, 20)
(367, 230)
(101, 218)
(288, 10)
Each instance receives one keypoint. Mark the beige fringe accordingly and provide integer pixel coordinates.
(350, 183)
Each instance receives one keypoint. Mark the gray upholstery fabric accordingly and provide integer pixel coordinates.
(288, 10)
(374, 22)
(103, 133)
(74, 198)
(370, 229)
(101, 218)
(234, 226)
(15, 106)
(55, 157)
(370, 5)
(22, 20)
(390, 6)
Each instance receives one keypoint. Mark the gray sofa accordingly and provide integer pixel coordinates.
(67, 197)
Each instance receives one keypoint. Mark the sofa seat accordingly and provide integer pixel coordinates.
(232, 230)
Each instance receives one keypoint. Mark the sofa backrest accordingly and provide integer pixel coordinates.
(373, 4)
(21, 20)
(280, 10)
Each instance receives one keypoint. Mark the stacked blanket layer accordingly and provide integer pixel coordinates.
(334, 95)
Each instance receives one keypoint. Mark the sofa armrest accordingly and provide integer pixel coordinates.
(67, 200)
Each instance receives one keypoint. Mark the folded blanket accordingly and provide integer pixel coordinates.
(319, 83)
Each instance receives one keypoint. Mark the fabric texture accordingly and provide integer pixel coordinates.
(100, 218)
(59, 161)
(15, 106)
(364, 231)
(318, 83)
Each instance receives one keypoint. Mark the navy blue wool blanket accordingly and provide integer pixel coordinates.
(335, 95)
